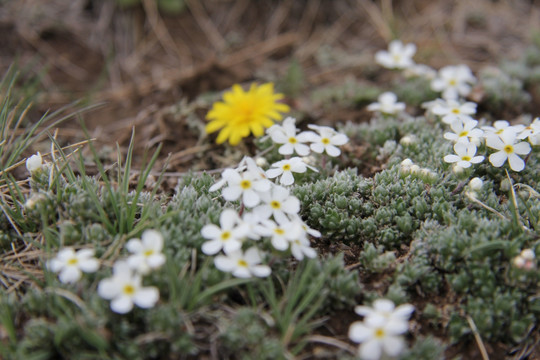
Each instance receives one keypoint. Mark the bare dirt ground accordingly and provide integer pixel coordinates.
(145, 67)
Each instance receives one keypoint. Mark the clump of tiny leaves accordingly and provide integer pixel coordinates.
(437, 249)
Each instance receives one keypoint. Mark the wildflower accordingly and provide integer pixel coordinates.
(465, 155)
(300, 248)
(463, 129)
(241, 113)
(248, 185)
(398, 56)
(286, 167)
(508, 149)
(326, 140)
(228, 237)
(146, 251)
(242, 265)
(408, 140)
(381, 329)
(387, 104)
(386, 309)
(501, 126)
(278, 203)
(451, 110)
(283, 233)
(71, 264)
(34, 163)
(420, 70)
(532, 132)
(453, 81)
(124, 289)
(286, 134)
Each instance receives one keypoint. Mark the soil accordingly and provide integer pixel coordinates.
(146, 67)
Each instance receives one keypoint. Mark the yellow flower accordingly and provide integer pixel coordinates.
(241, 113)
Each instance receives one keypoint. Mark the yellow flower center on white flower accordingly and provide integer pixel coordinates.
(225, 235)
(286, 167)
(245, 184)
(149, 252)
(452, 82)
(242, 263)
(279, 231)
(379, 333)
(455, 111)
(463, 133)
(325, 141)
(293, 140)
(275, 204)
(466, 158)
(128, 289)
(72, 261)
(509, 149)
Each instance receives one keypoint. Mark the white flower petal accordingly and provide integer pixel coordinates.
(70, 274)
(370, 350)
(122, 304)
(146, 297)
(498, 159)
(89, 265)
(210, 231)
(393, 345)
(515, 162)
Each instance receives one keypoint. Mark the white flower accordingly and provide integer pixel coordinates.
(532, 132)
(228, 237)
(387, 104)
(124, 289)
(34, 163)
(248, 185)
(501, 126)
(300, 247)
(525, 260)
(463, 129)
(283, 233)
(286, 167)
(508, 149)
(398, 56)
(286, 134)
(453, 81)
(146, 251)
(386, 309)
(254, 224)
(465, 155)
(381, 329)
(242, 265)
(279, 203)
(408, 140)
(326, 140)
(452, 110)
(71, 264)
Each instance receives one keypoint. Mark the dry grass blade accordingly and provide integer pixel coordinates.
(478, 338)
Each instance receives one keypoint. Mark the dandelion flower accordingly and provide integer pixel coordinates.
(241, 113)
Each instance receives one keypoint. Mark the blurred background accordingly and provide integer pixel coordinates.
(158, 64)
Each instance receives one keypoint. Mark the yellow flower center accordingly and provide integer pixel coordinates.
(452, 82)
(226, 235)
(286, 167)
(466, 158)
(293, 140)
(275, 204)
(242, 263)
(379, 333)
(128, 289)
(148, 252)
(325, 141)
(396, 57)
(455, 111)
(245, 184)
(72, 261)
(463, 133)
(509, 149)
(279, 231)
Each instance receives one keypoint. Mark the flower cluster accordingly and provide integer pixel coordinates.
(381, 329)
(269, 212)
(455, 83)
(124, 288)
(525, 260)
